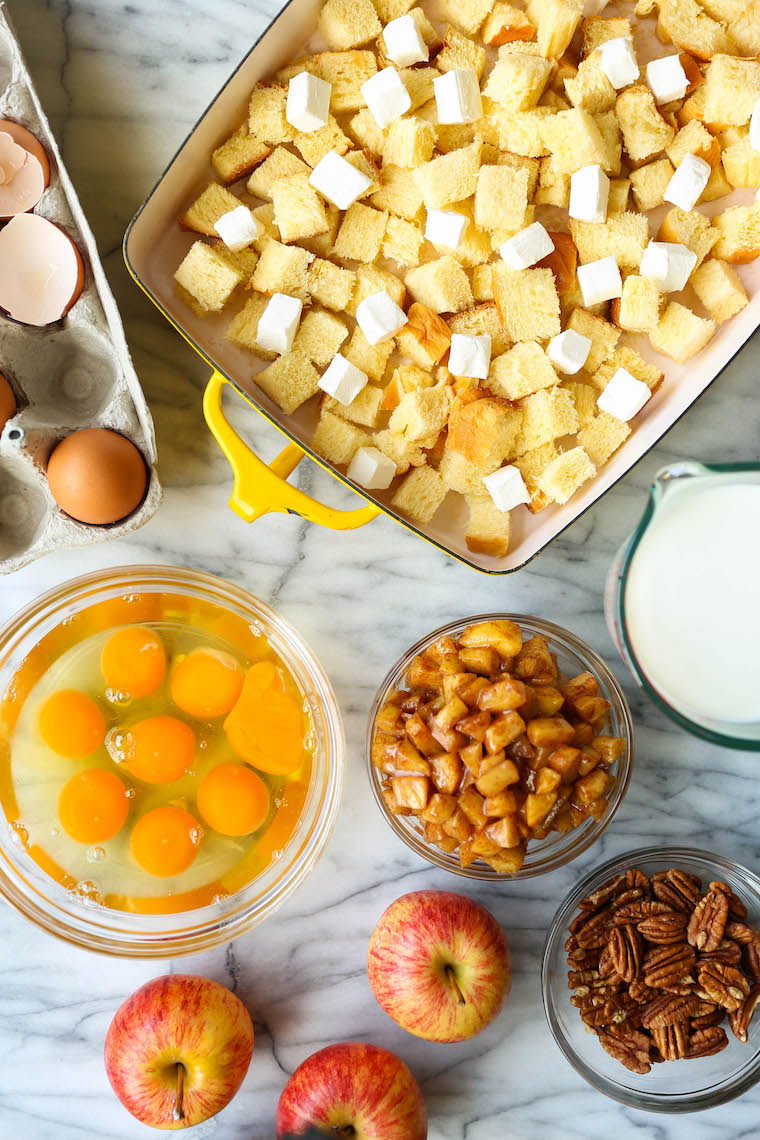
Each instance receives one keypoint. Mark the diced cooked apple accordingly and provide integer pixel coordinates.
(420, 734)
(470, 801)
(537, 807)
(390, 719)
(535, 661)
(504, 731)
(482, 844)
(434, 833)
(548, 781)
(592, 709)
(394, 807)
(440, 807)
(423, 673)
(503, 803)
(547, 700)
(588, 760)
(480, 659)
(565, 761)
(584, 685)
(502, 635)
(472, 755)
(454, 710)
(549, 732)
(503, 695)
(591, 787)
(448, 738)
(610, 748)
(584, 734)
(507, 862)
(459, 826)
(447, 772)
(505, 832)
(467, 855)
(411, 791)
(472, 690)
(381, 744)
(475, 726)
(497, 776)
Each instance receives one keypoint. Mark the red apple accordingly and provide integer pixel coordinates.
(438, 964)
(178, 1049)
(352, 1091)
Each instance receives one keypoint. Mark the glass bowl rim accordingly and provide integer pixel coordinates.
(560, 857)
(128, 938)
(645, 1101)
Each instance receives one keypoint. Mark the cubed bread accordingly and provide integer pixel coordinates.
(575, 140)
(398, 192)
(441, 285)
(484, 431)
(369, 358)
(461, 475)
(265, 214)
(522, 370)
(741, 165)
(603, 336)
(239, 156)
(528, 302)
(517, 82)
(516, 132)
(695, 139)
(718, 184)
(565, 474)
(719, 288)
(345, 71)
(461, 53)
(422, 412)
(425, 337)
(404, 452)
(691, 229)
(364, 128)
(547, 415)
(738, 230)
(409, 143)
(389, 10)
(419, 85)
(553, 185)
(298, 210)
(609, 128)
(501, 198)
(505, 24)
(403, 241)
(584, 397)
(598, 30)
(745, 31)
(320, 336)
(482, 284)
(281, 163)
(349, 23)
(207, 277)
(638, 310)
(617, 201)
(321, 244)
(207, 209)
(420, 494)
(361, 233)
(372, 279)
(622, 236)
(283, 269)
(487, 527)
(290, 381)
(330, 285)
(650, 182)
(266, 114)
(530, 465)
(314, 145)
(243, 261)
(466, 14)
(482, 320)
(627, 358)
(680, 333)
(645, 131)
(590, 89)
(243, 328)
(428, 33)
(557, 21)
(364, 409)
(732, 88)
(336, 439)
(448, 178)
(602, 436)
(687, 25)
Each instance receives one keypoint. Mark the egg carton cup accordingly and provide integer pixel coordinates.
(74, 374)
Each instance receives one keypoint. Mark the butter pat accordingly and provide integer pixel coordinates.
(457, 96)
(404, 43)
(338, 181)
(617, 60)
(278, 324)
(308, 104)
(238, 228)
(600, 281)
(507, 488)
(386, 96)
(589, 194)
(687, 183)
(624, 396)
(343, 380)
(470, 355)
(379, 317)
(527, 247)
(445, 227)
(568, 351)
(371, 469)
(666, 79)
(668, 263)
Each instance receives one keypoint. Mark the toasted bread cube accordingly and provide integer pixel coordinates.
(732, 88)
(501, 198)
(645, 130)
(290, 380)
(266, 113)
(468, 16)
(584, 397)
(207, 209)
(320, 336)
(404, 452)
(398, 193)
(425, 337)
(527, 301)
(239, 156)
(517, 132)
(361, 233)
(745, 31)
(562, 478)
(450, 177)
(617, 200)
(441, 285)
(691, 229)
(460, 54)
(281, 163)
(622, 236)
(419, 85)
(208, 277)
(372, 279)
(602, 436)
(517, 82)
(410, 142)
(488, 528)
(590, 89)
(553, 185)
(420, 494)
(557, 21)
(349, 23)
(298, 209)
(640, 369)
(738, 230)
(719, 289)
(330, 285)
(649, 183)
(522, 370)
(609, 129)
(484, 432)
(547, 415)
(243, 328)
(505, 24)
(680, 333)
(575, 140)
(603, 336)
(695, 139)
(337, 440)
(639, 306)
(685, 23)
(283, 269)
(422, 413)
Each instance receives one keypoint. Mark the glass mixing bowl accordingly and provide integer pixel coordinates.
(33, 639)
(672, 1086)
(573, 657)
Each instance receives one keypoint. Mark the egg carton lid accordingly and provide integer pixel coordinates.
(75, 374)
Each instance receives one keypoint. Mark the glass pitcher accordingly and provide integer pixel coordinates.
(702, 583)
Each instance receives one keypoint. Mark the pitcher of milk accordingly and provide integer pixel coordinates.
(682, 600)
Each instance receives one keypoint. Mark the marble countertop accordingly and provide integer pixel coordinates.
(122, 83)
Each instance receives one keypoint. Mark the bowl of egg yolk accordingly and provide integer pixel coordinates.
(171, 761)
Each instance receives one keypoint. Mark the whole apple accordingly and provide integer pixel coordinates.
(352, 1091)
(178, 1049)
(438, 964)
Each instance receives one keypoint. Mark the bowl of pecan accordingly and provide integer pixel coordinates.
(499, 745)
(654, 959)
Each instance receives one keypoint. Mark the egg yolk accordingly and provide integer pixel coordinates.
(233, 799)
(159, 750)
(206, 683)
(266, 726)
(133, 662)
(93, 806)
(72, 724)
(165, 841)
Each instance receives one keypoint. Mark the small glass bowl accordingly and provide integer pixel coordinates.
(573, 657)
(241, 616)
(671, 1086)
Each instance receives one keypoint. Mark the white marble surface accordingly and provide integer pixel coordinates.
(122, 83)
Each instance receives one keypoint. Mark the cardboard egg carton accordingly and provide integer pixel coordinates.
(74, 374)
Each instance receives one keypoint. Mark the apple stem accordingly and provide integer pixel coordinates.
(455, 986)
(179, 1112)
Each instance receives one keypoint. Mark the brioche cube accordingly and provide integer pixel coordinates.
(557, 21)
(547, 415)
(517, 132)
(741, 164)
(409, 143)
(314, 145)
(283, 269)
(590, 88)
(584, 397)
(629, 360)
(639, 307)
(448, 178)
(369, 358)
(361, 233)
(686, 24)
(738, 230)
(346, 72)
(420, 495)
(238, 156)
(468, 15)
(265, 214)
(243, 329)
(691, 229)
(650, 182)
(598, 31)
(422, 412)
(602, 436)
(425, 337)
(528, 302)
(522, 370)
(719, 289)
(389, 10)
(364, 409)
(281, 163)
(695, 139)
(482, 286)
(289, 380)
(330, 285)
(320, 336)
(482, 320)
(609, 129)
(745, 31)
(575, 140)
(645, 131)
(518, 81)
(321, 244)
(622, 236)
(460, 54)
(266, 113)
(211, 205)
(207, 277)
(419, 85)
(553, 185)
(680, 333)
(441, 285)
(403, 241)
(530, 465)
(505, 24)
(484, 431)
(349, 23)
(398, 192)
(488, 528)
(404, 452)
(501, 197)
(298, 209)
(337, 440)
(617, 199)
(372, 279)
(565, 474)
(462, 475)
(732, 88)
(243, 261)
(367, 133)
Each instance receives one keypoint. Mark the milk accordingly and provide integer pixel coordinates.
(692, 600)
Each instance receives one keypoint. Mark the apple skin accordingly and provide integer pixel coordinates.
(353, 1086)
(438, 964)
(179, 1018)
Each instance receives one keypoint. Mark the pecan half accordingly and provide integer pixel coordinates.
(672, 1041)
(742, 933)
(636, 911)
(708, 922)
(668, 965)
(664, 928)
(706, 1013)
(730, 953)
(633, 879)
(752, 960)
(740, 1018)
(667, 1009)
(595, 931)
(677, 888)
(631, 1050)
(642, 993)
(625, 952)
(705, 1042)
(736, 908)
(725, 985)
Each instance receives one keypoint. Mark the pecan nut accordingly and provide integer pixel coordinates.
(678, 889)
(594, 932)
(730, 953)
(664, 928)
(628, 880)
(752, 960)
(708, 922)
(736, 908)
(672, 1041)
(630, 1049)
(706, 1013)
(668, 965)
(725, 985)
(642, 908)
(625, 952)
(740, 1018)
(667, 1009)
(706, 1042)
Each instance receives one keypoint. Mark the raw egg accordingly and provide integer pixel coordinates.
(207, 683)
(165, 841)
(72, 724)
(233, 799)
(97, 476)
(93, 806)
(159, 750)
(133, 662)
(7, 402)
(266, 726)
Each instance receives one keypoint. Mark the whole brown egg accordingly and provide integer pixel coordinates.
(97, 476)
(7, 402)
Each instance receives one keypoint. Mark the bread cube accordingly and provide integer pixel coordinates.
(741, 165)
(565, 474)
(530, 465)
(372, 359)
(367, 133)
(553, 185)
(283, 269)
(522, 370)
(686, 24)
(289, 380)
(484, 432)
(372, 279)
(398, 192)
(617, 199)
(598, 31)
(207, 277)
(638, 310)
(622, 236)
(460, 54)
(557, 21)
(441, 285)
(590, 89)
(361, 233)
(404, 452)
(691, 229)
(419, 85)
(602, 436)
(349, 23)
(337, 440)
(482, 320)
(650, 182)
(518, 81)
(448, 178)
(719, 289)
(329, 284)
(409, 143)
(420, 494)
(422, 413)
(645, 130)
(527, 301)
(626, 358)
(482, 287)
(462, 475)
(364, 409)
(468, 15)
(547, 415)
(266, 113)
(488, 528)
(243, 329)
(425, 337)
(501, 197)
(281, 163)
(207, 209)
(738, 230)
(575, 140)
(694, 139)
(732, 88)
(238, 156)
(505, 24)
(402, 242)
(320, 336)
(584, 397)
(680, 333)
(298, 210)
(345, 71)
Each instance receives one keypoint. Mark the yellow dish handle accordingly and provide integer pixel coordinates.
(259, 488)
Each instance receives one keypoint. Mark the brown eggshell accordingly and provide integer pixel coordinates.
(41, 271)
(7, 402)
(97, 476)
(29, 142)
